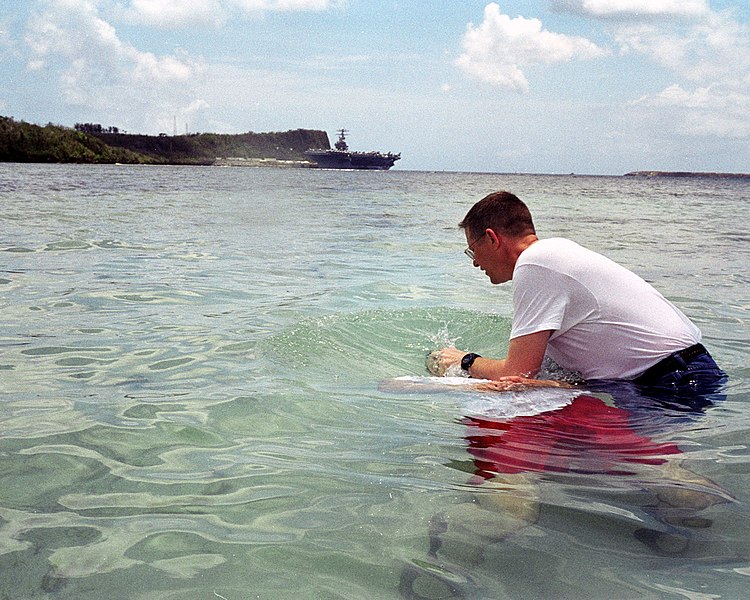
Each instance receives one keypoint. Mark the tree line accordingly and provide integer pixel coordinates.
(95, 128)
(93, 143)
(25, 142)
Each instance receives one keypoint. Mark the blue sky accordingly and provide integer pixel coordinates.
(536, 86)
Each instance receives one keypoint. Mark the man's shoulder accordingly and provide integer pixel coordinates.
(550, 247)
(563, 258)
(553, 242)
(566, 259)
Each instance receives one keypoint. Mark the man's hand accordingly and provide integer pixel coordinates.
(439, 361)
(525, 355)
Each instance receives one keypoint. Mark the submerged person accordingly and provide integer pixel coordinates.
(587, 313)
(594, 317)
(517, 460)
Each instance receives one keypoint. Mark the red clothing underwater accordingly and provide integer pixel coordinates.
(586, 436)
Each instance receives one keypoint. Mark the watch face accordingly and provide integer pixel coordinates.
(468, 360)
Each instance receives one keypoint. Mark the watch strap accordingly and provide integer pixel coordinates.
(468, 360)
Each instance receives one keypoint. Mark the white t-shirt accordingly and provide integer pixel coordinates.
(606, 322)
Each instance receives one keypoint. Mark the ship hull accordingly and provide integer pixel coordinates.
(336, 159)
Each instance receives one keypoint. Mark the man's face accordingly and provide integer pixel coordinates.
(486, 251)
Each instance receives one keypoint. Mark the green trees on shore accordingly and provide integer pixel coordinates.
(92, 143)
(24, 142)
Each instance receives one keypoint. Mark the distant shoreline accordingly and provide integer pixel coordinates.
(90, 143)
(687, 174)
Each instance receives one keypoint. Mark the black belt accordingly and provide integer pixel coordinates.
(673, 362)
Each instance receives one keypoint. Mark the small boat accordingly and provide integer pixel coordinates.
(340, 157)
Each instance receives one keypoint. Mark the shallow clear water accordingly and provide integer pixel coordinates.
(192, 403)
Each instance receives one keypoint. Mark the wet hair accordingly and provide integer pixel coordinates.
(502, 212)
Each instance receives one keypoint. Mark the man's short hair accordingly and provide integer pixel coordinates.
(502, 212)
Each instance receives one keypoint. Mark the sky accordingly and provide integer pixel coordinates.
(536, 86)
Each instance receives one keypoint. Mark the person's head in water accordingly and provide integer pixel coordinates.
(502, 212)
(498, 228)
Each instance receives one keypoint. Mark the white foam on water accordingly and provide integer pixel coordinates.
(424, 380)
(505, 405)
(519, 403)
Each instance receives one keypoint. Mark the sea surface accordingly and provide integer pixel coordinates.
(197, 396)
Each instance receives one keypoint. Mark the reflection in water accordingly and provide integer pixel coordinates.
(593, 438)
(586, 436)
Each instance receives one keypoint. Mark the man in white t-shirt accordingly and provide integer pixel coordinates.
(595, 317)
(586, 312)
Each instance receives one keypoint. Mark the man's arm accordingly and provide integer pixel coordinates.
(525, 355)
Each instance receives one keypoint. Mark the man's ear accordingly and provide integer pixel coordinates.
(495, 239)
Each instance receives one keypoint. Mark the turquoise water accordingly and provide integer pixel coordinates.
(192, 403)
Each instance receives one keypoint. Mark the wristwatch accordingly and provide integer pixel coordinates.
(468, 360)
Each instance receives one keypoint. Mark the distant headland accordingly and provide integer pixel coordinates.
(687, 174)
(90, 143)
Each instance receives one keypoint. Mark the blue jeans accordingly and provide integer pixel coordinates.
(701, 375)
(679, 395)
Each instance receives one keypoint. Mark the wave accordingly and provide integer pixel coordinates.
(375, 344)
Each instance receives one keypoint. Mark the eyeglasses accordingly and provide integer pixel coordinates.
(470, 250)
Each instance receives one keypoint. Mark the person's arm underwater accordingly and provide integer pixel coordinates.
(525, 356)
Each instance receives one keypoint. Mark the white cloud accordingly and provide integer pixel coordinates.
(709, 49)
(496, 51)
(635, 8)
(175, 13)
(6, 42)
(98, 71)
(196, 106)
(74, 45)
(715, 110)
(284, 5)
(710, 59)
(71, 30)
